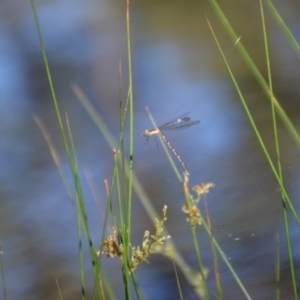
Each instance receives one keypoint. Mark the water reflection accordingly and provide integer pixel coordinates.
(176, 69)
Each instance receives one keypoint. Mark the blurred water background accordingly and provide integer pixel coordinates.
(176, 68)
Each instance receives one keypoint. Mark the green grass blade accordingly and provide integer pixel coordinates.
(214, 254)
(127, 232)
(256, 131)
(83, 214)
(260, 79)
(274, 119)
(289, 247)
(71, 156)
(48, 72)
(224, 258)
(178, 281)
(81, 260)
(189, 205)
(285, 196)
(286, 223)
(56, 158)
(171, 251)
(199, 261)
(291, 38)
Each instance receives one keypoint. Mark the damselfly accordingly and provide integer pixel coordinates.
(179, 123)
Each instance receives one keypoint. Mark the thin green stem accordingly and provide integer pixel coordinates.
(178, 281)
(128, 203)
(221, 253)
(290, 36)
(260, 79)
(256, 131)
(286, 223)
(71, 156)
(214, 254)
(189, 204)
(285, 197)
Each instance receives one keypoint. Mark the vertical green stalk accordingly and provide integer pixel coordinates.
(256, 131)
(293, 41)
(130, 115)
(189, 203)
(48, 72)
(285, 197)
(81, 260)
(71, 155)
(214, 253)
(279, 167)
(81, 204)
(177, 281)
(128, 204)
(270, 83)
(289, 247)
(260, 79)
(226, 261)
(199, 260)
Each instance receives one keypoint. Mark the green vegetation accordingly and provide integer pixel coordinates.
(124, 183)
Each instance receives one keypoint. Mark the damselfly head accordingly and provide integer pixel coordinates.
(146, 132)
